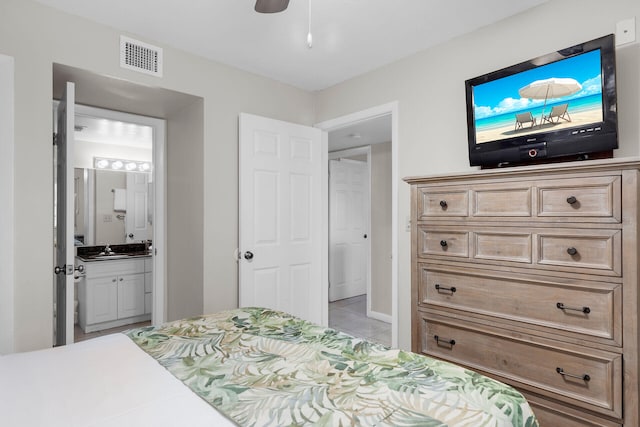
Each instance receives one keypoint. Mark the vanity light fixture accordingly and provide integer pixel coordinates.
(120, 164)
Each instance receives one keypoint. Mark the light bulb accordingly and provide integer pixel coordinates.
(102, 163)
(117, 165)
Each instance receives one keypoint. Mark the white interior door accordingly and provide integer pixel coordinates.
(348, 228)
(64, 269)
(280, 217)
(136, 222)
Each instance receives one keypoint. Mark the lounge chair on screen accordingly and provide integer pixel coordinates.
(558, 112)
(524, 118)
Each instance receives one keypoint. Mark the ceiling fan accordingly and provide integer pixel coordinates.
(271, 6)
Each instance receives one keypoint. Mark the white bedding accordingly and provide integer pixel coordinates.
(106, 381)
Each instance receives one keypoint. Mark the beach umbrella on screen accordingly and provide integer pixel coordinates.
(549, 89)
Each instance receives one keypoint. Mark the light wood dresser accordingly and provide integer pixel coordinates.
(530, 275)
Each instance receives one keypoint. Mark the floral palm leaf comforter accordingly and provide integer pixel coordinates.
(262, 367)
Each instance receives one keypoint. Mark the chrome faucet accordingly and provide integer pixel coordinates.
(108, 250)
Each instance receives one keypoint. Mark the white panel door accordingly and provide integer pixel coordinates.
(136, 221)
(64, 263)
(280, 217)
(348, 228)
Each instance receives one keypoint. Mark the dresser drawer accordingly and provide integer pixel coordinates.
(448, 243)
(442, 203)
(596, 197)
(582, 308)
(581, 250)
(503, 200)
(502, 246)
(552, 414)
(588, 378)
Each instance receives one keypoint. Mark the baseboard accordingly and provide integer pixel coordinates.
(379, 316)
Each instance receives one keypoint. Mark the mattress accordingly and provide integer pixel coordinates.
(106, 381)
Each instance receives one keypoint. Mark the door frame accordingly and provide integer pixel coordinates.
(391, 109)
(336, 155)
(159, 310)
(7, 193)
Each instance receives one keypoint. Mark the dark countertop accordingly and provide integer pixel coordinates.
(118, 252)
(114, 257)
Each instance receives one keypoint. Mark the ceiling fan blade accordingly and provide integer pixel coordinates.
(271, 6)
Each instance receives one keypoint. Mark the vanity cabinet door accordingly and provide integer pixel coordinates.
(130, 295)
(148, 293)
(102, 299)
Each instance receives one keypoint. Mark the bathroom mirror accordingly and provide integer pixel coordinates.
(112, 207)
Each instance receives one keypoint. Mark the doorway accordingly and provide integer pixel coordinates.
(114, 154)
(384, 116)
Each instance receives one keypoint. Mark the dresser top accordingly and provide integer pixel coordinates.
(551, 168)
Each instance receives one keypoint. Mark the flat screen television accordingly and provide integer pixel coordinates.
(560, 105)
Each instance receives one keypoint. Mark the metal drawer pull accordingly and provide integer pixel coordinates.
(443, 204)
(585, 310)
(584, 377)
(444, 341)
(572, 251)
(443, 243)
(442, 288)
(571, 200)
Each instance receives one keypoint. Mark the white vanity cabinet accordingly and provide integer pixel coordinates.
(113, 293)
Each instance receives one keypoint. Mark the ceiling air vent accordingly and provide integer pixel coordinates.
(138, 56)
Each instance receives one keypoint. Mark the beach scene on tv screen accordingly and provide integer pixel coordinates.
(563, 94)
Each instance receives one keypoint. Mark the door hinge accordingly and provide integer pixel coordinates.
(55, 138)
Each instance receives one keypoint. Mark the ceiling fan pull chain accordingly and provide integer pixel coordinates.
(309, 36)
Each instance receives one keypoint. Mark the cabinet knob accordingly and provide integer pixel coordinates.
(443, 243)
(571, 200)
(113, 280)
(121, 279)
(443, 204)
(572, 251)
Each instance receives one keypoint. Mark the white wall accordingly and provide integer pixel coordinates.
(185, 206)
(37, 37)
(429, 88)
(6, 195)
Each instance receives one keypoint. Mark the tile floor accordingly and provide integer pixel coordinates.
(79, 335)
(347, 315)
(350, 316)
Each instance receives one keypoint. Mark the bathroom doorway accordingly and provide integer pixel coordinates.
(116, 192)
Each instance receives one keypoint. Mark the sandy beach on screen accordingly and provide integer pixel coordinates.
(577, 119)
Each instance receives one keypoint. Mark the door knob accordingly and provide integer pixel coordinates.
(131, 235)
(248, 255)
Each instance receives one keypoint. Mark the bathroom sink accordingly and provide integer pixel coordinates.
(111, 256)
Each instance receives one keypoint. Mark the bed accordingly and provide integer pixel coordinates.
(248, 367)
